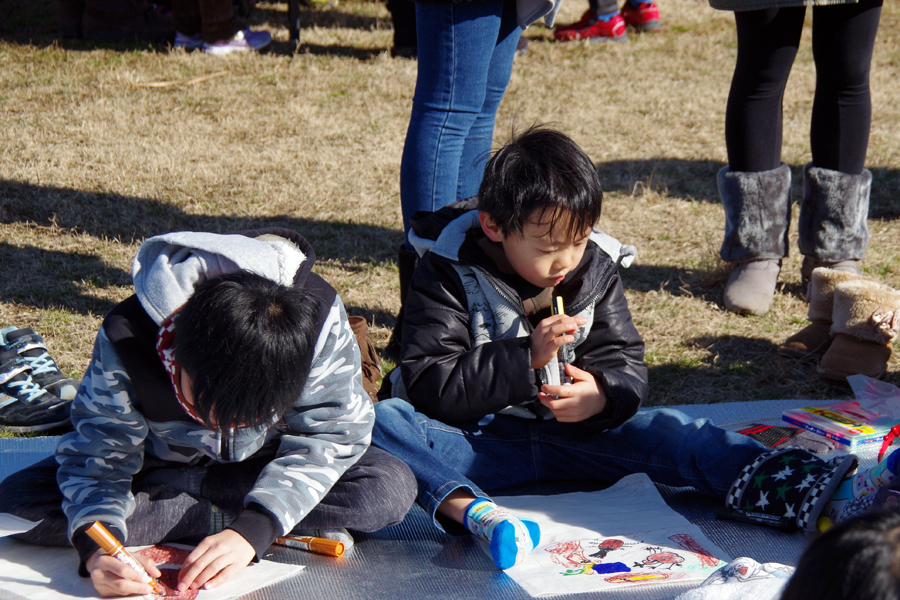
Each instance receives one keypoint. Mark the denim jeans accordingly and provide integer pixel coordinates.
(465, 60)
(501, 451)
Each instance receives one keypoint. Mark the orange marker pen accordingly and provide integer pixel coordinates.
(312, 544)
(111, 546)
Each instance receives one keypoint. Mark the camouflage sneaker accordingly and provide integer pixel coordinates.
(44, 371)
(24, 405)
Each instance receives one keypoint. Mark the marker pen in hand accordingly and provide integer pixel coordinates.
(109, 544)
(563, 356)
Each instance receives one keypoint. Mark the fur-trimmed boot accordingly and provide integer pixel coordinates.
(406, 263)
(810, 264)
(815, 338)
(791, 486)
(757, 216)
(832, 225)
(866, 317)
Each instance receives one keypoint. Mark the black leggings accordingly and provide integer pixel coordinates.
(843, 37)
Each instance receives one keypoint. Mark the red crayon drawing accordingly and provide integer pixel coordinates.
(659, 558)
(169, 560)
(687, 542)
(567, 554)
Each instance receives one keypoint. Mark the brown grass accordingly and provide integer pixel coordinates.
(95, 156)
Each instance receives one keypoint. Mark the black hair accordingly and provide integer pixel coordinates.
(541, 170)
(859, 558)
(247, 344)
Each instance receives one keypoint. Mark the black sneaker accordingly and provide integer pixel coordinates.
(44, 370)
(24, 405)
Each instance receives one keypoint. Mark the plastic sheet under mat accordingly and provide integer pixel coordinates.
(413, 561)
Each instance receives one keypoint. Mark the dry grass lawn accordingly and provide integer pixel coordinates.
(94, 158)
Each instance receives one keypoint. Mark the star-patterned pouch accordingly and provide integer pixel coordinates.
(790, 483)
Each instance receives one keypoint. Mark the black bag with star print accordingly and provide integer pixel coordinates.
(790, 483)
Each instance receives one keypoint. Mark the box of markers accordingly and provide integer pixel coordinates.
(847, 423)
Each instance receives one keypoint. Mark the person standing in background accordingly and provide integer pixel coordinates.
(465, 54)
(755, 186)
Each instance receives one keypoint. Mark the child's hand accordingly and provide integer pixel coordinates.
(548, 336)
(215, 560)
(580, 400)
(112, 577)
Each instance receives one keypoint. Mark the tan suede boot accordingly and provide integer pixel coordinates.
(866, 317)
(810, 264)
(815, 338)
(751, 286)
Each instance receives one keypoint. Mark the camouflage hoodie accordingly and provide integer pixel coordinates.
(125, 405)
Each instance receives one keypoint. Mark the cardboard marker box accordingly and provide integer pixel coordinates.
(846, 423)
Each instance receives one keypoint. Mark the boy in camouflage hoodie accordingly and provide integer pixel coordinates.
(223, 402)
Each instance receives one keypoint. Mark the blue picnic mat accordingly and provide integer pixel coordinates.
(414, 561)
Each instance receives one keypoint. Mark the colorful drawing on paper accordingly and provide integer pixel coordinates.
(615, 538)
(169, 561)
(622, 561)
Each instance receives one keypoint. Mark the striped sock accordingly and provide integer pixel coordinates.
(510, 538)
(855, 494)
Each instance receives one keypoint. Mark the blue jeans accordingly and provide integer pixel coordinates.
(465, 59)
(501, 451)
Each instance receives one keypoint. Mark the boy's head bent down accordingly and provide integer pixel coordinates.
(246, 344)
(539, 198)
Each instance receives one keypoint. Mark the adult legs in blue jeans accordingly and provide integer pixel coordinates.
(502, 451)
(465, 59)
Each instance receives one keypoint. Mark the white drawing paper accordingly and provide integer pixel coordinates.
(29, 572)
(11, 524)
(622, 536)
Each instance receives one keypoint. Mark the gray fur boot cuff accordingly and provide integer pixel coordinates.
(833, 214)
(757, 213)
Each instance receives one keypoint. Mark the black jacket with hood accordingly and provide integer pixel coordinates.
(454, 372)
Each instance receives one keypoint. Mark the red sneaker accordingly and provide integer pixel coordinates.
(644, 17)
(590, 27)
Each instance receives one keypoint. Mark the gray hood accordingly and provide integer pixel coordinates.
(167, 267)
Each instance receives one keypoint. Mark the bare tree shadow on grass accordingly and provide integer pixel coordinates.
(131, 219)
(46, 278)
(697, 283)
(333, 19)
(696, 179)
(325, 19)
(358, 53)
(737, 368)
(35, 22)
(680, 178)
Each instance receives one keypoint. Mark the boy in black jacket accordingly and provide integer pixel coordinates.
(480, 352)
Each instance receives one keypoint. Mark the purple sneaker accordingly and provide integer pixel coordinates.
(243, 41)
(188, 42)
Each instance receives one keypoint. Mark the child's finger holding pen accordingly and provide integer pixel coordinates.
(114, 578)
